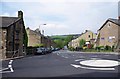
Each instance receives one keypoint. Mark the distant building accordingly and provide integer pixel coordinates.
(88, 36)
(13, 34)
(36, 38)
(109, 34)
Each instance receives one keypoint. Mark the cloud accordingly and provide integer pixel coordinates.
(63, 17)
(5, 14)
(60, 1)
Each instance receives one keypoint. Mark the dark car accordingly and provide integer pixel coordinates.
(49, 50)
(39, 51)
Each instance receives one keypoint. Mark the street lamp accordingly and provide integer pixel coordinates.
(40, 33)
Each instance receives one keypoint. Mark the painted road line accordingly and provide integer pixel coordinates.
(4, 69)
(6, 72)
(65, 57)
(79, 66)
(10, 61)
(79, 59)
(95, 58)
(106, 55)
(100, 63)
(9, 67)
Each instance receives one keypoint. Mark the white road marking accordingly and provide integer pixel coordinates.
(100, 63)
(65, 57)
(78, 66)
(4, 69)
(79, 59)
(5, 72)
(106, 55)
(94, 58)
(10, 61)
(9, 67)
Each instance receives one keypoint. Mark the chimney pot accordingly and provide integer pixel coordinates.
(20, 14)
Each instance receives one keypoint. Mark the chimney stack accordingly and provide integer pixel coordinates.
(20, 14)
(118, 17)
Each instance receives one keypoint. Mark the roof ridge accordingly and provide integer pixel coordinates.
(7, 17)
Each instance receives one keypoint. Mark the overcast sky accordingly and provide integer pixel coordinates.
(62, 16)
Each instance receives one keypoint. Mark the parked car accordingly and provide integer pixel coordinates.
(49, 50)
(39, 51)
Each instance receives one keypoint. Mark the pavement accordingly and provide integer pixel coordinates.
(61, 63)
(12, 58)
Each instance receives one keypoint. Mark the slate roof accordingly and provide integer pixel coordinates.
(6, 21)
(115, 21)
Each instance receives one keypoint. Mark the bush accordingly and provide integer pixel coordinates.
(71, 48)
(97, 48)
(113, 48)
(79, 49)
(102, 47)
(108, 47)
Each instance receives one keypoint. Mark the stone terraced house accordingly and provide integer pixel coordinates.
(109, 34)
(12, 32)
(88, 36)
(35, 38)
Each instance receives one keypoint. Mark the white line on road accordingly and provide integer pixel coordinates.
(78, 66)
(65, 57)
(79, 59)
(106, 55)
(9, 67)
(4, 69)
(94, 56)
(10, 61)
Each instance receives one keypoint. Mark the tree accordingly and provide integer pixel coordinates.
(68, 39)
(59, 43)
(82, 43)
(39, 45)
(62, 41)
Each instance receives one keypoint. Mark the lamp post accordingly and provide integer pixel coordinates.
(40, 33)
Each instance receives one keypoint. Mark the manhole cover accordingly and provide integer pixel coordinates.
(100, 63)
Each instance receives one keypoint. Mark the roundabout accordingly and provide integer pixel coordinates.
(100, 63)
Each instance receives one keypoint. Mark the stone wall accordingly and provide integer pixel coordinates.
(3, 33)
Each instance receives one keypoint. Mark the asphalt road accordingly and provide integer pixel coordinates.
(59, 64)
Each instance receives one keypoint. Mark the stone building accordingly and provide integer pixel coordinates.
(88, 36)
(13, 32)
(36, 38)
(109, 34)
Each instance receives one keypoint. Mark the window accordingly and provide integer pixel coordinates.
(111, 38)
(109, 24)
(17, 35)
(4, 32)
(102, 38)
(88, 36)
